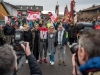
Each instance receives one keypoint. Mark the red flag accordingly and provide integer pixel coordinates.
(53, 17)
(34, 15)
(72, 5)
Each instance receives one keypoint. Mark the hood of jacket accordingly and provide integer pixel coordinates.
(93, 63)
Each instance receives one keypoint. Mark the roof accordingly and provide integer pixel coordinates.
(32, 7)
(11, 5)
(94, 7)
(1, 1)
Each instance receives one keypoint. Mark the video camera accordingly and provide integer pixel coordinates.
(18, 40)
(81, 27)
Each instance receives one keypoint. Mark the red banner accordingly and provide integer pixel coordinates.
(34, 15)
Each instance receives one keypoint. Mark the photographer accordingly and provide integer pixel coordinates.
(8, 61)
(88, 54)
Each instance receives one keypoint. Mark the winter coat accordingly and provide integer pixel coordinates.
(71, 32)
(34, 66)
(8, 30)
(91, 67)
(51, 43)
(33, 40)
(28, 37)
(63, 40)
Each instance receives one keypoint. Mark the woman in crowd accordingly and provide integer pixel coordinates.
(51, 43)
(28, 37)
(36, 41)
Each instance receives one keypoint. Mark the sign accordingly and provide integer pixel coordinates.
(34, 15)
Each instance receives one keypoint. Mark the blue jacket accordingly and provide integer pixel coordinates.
(91, 64)
(31, 24)
(66, 26)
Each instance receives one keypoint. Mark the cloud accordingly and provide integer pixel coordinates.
(49, 5)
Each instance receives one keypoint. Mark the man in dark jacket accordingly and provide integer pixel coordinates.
(71, 33)
(8, 32)
(8, 62)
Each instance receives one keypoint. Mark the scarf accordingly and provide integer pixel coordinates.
(60, 36)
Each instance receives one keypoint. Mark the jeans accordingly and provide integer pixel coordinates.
(52, 57)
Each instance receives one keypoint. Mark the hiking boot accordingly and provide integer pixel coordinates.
(40, 61)
(59, 63)
(64, 63)
(45, 60)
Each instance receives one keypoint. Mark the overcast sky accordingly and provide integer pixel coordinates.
(49, 5)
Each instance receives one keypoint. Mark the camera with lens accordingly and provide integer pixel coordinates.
(74, 49)
(81, 28)
(18, 40)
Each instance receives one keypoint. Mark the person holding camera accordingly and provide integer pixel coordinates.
(8, 60)
(61, 42)
(87, 56)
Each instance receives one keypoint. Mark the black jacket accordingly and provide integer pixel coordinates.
(71, 32)
(34, 66)
(8, 30)
(28, 36)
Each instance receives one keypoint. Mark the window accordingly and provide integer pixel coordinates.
(97, 11)
(21, 7)
(23, 12)
(26, 7)
(31, 7)
(36, 7)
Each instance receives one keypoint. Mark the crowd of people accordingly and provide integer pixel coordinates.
(46, 38)
(43, 36)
